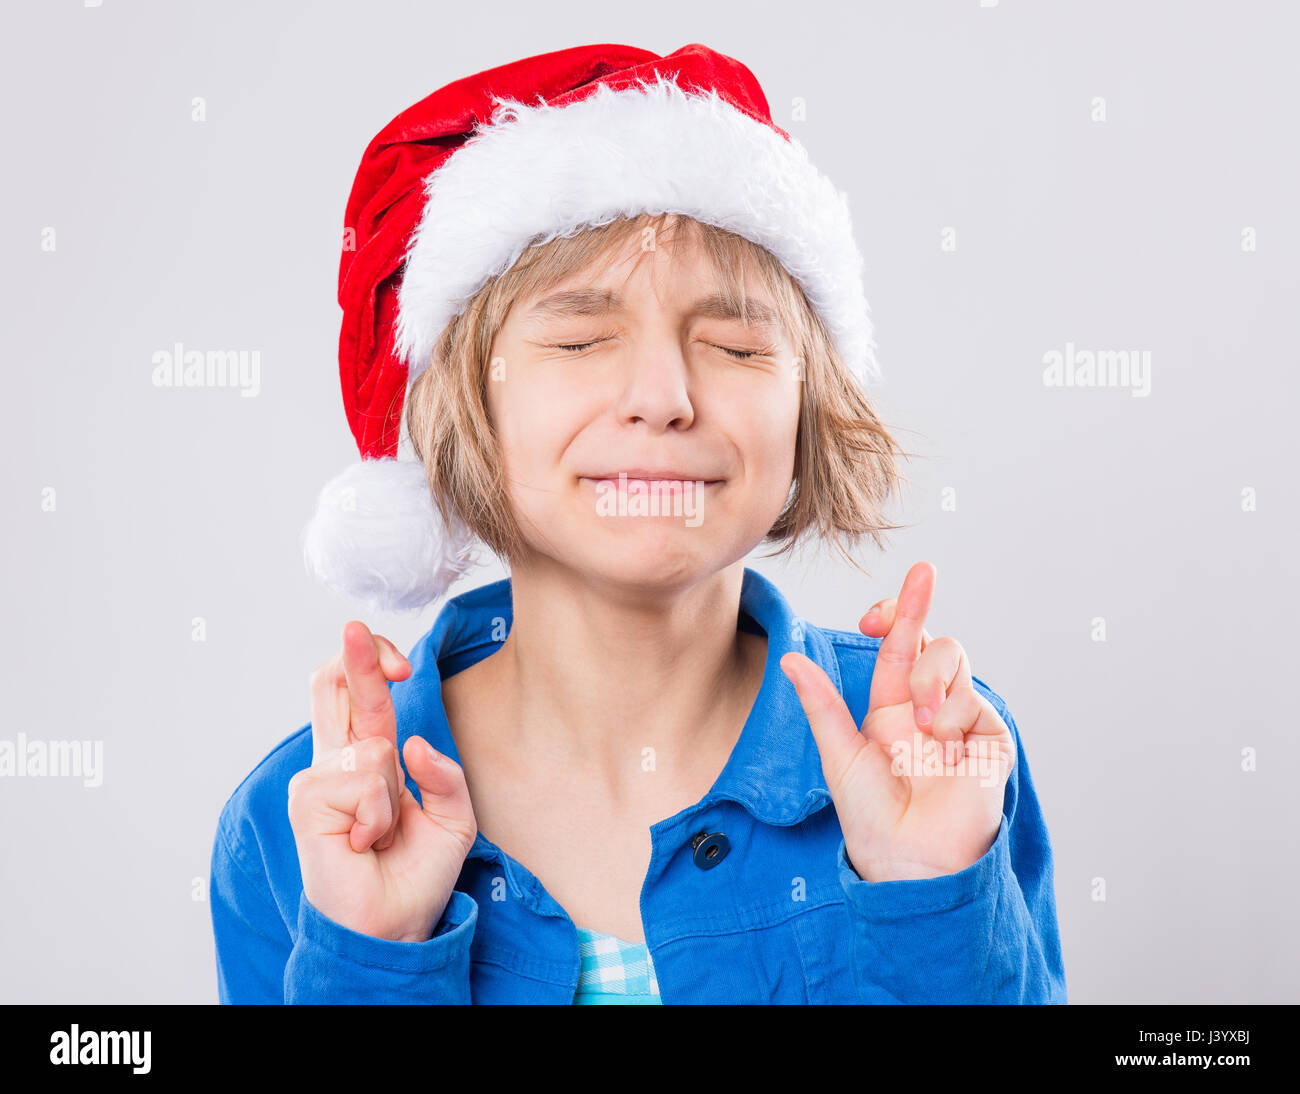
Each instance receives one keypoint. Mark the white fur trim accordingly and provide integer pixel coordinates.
(545, 171)
(378, 538)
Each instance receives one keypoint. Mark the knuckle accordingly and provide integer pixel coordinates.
(374, 751)
(299, 792)
(894, 656)
(380, 704)
(923, 677)
(331, 778)
(945, 643)
(468, 835)
(322, 674)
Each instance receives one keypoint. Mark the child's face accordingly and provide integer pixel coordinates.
(649, 386)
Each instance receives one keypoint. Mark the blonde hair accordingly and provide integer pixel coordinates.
(845, 465)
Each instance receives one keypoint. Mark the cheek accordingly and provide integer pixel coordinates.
(535, 420)
(767, 433)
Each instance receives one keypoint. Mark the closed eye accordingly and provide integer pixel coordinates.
(578, 347)
(739, 354)
(745, 354)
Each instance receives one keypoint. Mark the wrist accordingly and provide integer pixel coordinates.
(898, 869)
(423, 930)
(421, 933)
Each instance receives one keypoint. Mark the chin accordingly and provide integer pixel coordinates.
(639, 553)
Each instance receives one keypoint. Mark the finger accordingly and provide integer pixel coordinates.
(880, 617)
(374, 816)
(351, 803)
(956, 716)
(987, 742)
(392, 661)
(330, 696)
(900, 648)
(832, 725)
(370, 704)
(444, 794)
(941, 666)
(329, 708)
(377, 754)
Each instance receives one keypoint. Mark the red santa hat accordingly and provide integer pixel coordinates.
(454, 188)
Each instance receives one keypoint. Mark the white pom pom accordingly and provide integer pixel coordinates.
(378, 538)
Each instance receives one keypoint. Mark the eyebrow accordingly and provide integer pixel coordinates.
(603, 301)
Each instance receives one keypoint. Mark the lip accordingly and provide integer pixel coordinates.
(646, 475)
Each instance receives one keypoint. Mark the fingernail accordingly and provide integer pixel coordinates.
(924, 716)
(434, 754)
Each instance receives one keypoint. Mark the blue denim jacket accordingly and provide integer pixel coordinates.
(776, 915)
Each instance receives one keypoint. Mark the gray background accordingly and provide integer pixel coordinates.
(1072, 503)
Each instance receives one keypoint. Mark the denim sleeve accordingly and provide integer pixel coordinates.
(260, 961)
(986, 934)
(252, 942)
(332, 964)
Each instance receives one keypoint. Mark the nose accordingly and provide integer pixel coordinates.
(656, 386)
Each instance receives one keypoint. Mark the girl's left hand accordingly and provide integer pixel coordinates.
(919, 790)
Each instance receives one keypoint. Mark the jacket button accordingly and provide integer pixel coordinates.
(710, 849)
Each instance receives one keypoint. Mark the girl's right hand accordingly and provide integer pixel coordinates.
(372, 858)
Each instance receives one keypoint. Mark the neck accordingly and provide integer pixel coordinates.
(615, 680)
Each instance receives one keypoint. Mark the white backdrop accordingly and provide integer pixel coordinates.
(1023, 177)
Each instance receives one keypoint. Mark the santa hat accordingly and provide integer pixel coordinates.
(454, 188)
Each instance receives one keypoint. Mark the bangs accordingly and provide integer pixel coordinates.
(735, 261)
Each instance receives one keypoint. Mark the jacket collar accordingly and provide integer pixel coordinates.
(774, 770)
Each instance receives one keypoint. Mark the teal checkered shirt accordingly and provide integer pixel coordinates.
(614, 971)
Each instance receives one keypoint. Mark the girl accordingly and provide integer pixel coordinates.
(628, 329)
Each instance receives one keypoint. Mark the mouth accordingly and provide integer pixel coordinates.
(637, 479)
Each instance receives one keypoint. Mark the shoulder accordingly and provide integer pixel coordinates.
(254, 822)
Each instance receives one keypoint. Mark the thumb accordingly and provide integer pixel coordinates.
(444, 794)
(837, 737)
